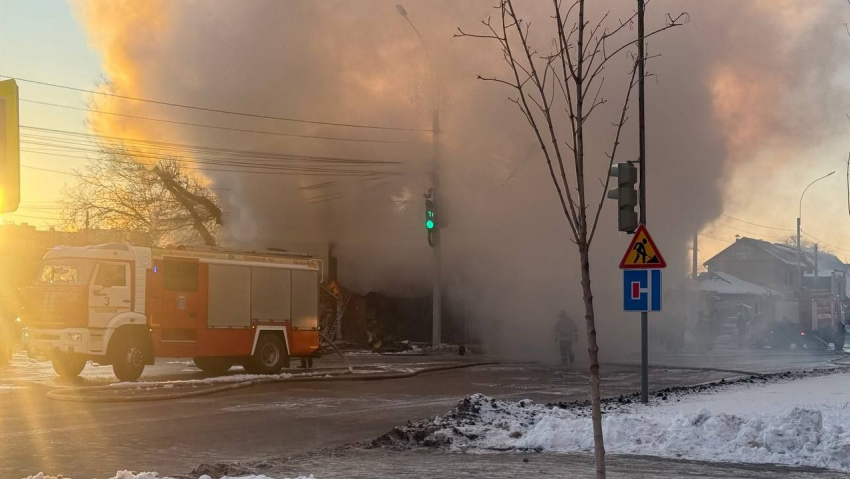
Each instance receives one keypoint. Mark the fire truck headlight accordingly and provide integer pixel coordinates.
(75, 337)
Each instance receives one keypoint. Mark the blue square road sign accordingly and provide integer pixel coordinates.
(642, 290)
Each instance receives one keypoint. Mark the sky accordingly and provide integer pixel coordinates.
(42, 40)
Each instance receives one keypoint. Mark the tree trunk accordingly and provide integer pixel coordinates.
(180, 194)
(593, 353)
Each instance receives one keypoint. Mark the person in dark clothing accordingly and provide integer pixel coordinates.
(840, 333)
(743, 328)
(566, 333)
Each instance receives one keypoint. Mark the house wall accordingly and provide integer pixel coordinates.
(751, 263)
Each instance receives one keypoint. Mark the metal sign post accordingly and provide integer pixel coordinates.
(642, 265)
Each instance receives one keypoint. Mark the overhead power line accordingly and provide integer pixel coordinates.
(725, 240)
(59, 143)
(123, 142)
(62, 153)
(202, 125)
(756, 224)
(823, 242)
(750, 232)
(217, 110)
(224, 168)
(29, 167)
(49, 218)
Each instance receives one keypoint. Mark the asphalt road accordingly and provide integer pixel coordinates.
(276, 420)
(357, 463)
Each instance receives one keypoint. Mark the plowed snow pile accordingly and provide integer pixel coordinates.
(804, 422)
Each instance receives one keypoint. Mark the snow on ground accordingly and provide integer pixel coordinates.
(154, 475)
(805, 422)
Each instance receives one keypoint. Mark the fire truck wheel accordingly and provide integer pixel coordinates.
(271, 355)
(68, 365)
(129, 360)
(214, 366)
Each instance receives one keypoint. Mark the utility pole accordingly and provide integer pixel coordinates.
(816, 267)
(86, 236)
(436, 314)
(799, 267)
(800, 215)
(644, 316)
(694, 262)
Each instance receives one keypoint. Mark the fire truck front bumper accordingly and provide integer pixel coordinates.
(44, 343)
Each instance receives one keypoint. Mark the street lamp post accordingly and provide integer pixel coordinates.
(799, 215)
(436, 326)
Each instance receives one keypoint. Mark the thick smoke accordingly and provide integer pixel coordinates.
(741, 79)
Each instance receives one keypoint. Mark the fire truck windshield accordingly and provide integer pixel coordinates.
(64, 272)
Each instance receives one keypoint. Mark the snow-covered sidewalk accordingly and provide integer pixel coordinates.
(805, 422)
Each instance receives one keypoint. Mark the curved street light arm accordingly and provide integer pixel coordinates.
(800, 209)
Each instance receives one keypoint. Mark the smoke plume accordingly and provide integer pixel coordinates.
(741, 81)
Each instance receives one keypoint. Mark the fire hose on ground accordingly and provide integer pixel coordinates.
(90, 393)
(84, 394)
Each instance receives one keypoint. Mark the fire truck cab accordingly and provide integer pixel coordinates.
(124, 306)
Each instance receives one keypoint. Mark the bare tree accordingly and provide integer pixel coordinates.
(160, 199)
(557, 93)
(791, 240)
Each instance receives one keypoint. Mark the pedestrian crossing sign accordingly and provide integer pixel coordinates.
(642, 252)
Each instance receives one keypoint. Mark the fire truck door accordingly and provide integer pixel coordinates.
(109, 293)
(179, 299)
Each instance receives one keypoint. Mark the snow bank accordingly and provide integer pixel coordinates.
(118, 475)
(804, 422)
(257, 477)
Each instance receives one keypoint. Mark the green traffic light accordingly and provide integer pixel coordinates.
(429, 224)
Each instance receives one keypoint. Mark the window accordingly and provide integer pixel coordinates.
(180, 275)
(110, 275)
(744, 254)
(64, 272)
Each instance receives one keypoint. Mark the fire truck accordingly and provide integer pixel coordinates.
(122, 305)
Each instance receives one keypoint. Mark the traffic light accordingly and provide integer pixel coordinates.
(10, 156)
(626, 196)
(430, 219)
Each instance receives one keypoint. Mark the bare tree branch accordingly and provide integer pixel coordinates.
(116, 191)
(613, 154)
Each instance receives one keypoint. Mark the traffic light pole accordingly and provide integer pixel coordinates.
(437, 306)
(434, 234)
(644, 316)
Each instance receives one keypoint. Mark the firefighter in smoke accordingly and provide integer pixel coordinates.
(566, 333)
(742, 322)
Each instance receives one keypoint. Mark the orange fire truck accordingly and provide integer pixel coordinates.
(124, 306)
